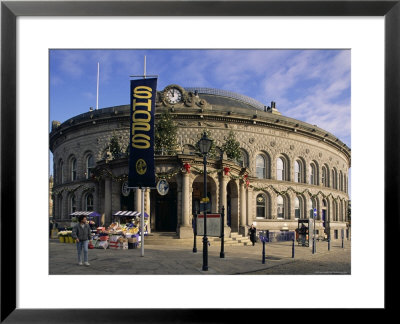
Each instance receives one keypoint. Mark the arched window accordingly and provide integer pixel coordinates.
(89, 166)
(60, 171)
(280, 169)
(340, 180)
(313, 174)
(72, 204)
(324, 212)
(280, 207)
(298, 207)
(341, 211)
(324, 177)
(334, 178)
(335, 211)
(297, 171)
(244, 159)
(89, 202)
(260, 167)
(311, 205)
(55, 173)
(60, 207)
(261, 204)
(73, 169)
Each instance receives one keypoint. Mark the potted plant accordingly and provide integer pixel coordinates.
(62, 235)
(69, 237)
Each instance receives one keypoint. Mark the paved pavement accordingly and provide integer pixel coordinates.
(180, 259)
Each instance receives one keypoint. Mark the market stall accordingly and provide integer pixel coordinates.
(131, 217)
(123, 233)
(92, 217)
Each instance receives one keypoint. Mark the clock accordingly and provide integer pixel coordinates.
(173, 95)
(125, 190)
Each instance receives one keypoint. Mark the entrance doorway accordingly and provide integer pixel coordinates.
(198, 195)
(324, 214)
(166, 210)
(232, 200)
(228, 211)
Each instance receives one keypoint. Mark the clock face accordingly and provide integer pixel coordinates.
(125, 190)
(174, 95)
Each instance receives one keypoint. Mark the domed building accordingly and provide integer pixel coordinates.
(286, 169)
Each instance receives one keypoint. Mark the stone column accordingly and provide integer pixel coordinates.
(242, 219)
(96, 198)
(107, 200)
(223, 201)
(138, 200)
(185, 199)
(185, 229)
(250, 203)
(292, 222)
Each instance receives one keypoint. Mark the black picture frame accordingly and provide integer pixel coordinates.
(10, 10)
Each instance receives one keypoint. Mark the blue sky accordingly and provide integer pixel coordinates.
(309, 85)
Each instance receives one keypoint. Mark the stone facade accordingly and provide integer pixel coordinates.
(249, 194)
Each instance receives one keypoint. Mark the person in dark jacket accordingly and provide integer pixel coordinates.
(82, 234)
(302, 234)
(252, 231)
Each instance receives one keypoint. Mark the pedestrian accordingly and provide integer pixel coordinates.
(303, 233)
(82, 234)
(252, 232)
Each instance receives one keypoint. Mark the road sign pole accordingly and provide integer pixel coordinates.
(314, 218)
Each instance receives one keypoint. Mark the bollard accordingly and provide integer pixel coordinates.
(329, 244)
(222, 253)
(342, 239)
(263, 253)
(313, 245)
(194, 244)
(195, 233)
(293, 248)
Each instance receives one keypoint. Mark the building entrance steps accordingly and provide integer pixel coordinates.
(171, 238)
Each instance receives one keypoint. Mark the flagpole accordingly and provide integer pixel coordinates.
(142, 213)
(97, 97)
(144, 74)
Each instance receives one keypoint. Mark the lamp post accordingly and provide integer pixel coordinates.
(205, 146)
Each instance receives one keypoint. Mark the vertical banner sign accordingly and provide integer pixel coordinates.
(141, 154)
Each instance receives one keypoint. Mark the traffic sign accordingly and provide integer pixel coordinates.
(315, 212)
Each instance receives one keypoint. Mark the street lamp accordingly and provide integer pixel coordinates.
(205, 146)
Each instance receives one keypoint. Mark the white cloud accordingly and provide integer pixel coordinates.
(72, 63)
